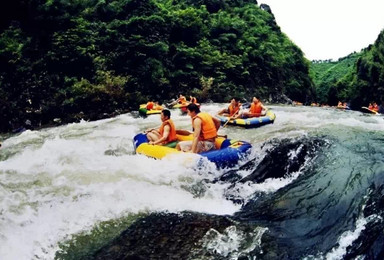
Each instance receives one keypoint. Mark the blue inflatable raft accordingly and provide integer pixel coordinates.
(269, 118)
(228, 152)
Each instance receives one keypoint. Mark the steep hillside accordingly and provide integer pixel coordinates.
(366, 83)
(73, 59)
(327, 73)
(357, 78)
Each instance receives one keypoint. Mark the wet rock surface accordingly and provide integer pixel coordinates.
(163, 236)
(283, 158)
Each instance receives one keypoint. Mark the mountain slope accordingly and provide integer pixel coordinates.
(87, 58)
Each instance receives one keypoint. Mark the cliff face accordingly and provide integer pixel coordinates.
(92, 58)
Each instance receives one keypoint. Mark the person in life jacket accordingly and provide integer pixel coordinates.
(342, 104)
(233, 108)
(205, 129)
(157, 106)
(192, 100)
(154, 106)
(166, 133)
(181, 99)
(257, 109)
(150, 105)
(374, 106)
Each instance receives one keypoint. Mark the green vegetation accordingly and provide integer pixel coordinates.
(87, 58)
(366, 83)
(327, 73)
(357, 78)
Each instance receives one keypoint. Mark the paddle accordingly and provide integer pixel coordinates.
(229, 118)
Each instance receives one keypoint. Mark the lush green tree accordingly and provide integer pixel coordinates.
(88, 58)
(357, 78)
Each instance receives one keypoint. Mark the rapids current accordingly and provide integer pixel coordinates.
(312, 188)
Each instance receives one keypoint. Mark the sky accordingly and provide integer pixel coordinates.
(329, 29)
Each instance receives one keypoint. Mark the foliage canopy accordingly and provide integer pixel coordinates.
(59, 58)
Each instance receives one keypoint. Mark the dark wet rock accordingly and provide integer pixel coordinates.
(230, 177)
(188, 236)
(285, 157)
(163, 236)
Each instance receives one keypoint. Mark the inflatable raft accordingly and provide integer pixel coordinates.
(144, 111)
(368, 110)
(183, 107)
(269, 118)
(228, 152)
(343, 108)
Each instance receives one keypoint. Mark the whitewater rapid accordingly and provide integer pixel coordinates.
(57, 183)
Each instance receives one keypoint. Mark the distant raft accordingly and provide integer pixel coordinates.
(227, 154)
(269, 118)
(343, 107)
(144, 111)
(368, 110)
(183, 107)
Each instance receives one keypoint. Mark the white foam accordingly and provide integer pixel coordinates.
(61, 181)
(232, 243)
(348, 237)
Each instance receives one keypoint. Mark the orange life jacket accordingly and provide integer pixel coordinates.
(172, 131)
(157, 107)
(149, 105)
(208, 128)
(232, 110)
(182, 100)
(256, 108)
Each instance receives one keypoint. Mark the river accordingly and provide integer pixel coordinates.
(66, 191)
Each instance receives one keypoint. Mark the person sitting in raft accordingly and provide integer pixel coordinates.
(150, 105)
(233, 108)
(157, 106)
(166, 133)
(205, 129)
(154, 106)
(192, 100)
(257, 109)
(181, 99)
(342, 105)
(373, 106)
